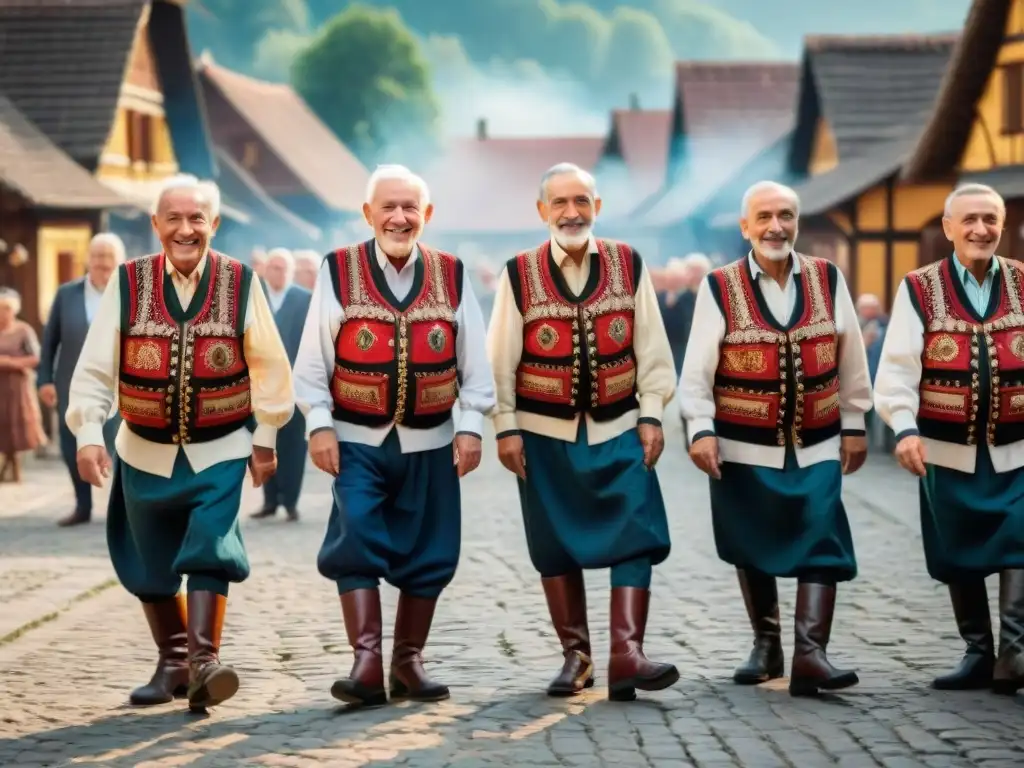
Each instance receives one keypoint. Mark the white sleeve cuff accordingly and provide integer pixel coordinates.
(902, 420)
(695, 426)
(853, 421)
(318, 418)
(265, 436)
(471, 421)
(90, 433)
(506, 422)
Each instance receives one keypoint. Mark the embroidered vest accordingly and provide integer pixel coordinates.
(395, 361)
(771, 381)
(183, 376)
(577, 353)
(950, 393)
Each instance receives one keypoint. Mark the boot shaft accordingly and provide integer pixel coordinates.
(629, 607)
(168, 624)
(205, 625)
(567, 604)
(360, 609)
(973, 618)
(412, 627)
(761, 597)
(815, 607)
(1011, 612)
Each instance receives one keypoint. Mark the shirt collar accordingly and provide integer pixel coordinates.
(383, 261)
(961, 270)
(559, 255)
(193, 278)
(755, 268)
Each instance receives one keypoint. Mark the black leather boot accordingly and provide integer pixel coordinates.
(1008, 675)
(766, 661)
(970, 609)
(812, 671)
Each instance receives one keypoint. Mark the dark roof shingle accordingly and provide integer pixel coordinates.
(742, 96)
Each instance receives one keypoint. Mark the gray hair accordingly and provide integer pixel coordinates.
(311, 257)
(286, 256)
(970, 190)
(11, 298)
(397, 173)
(768, 186)
(111, 241)
(187, 182)
(868, 300)
(563, 169)
(699, 261)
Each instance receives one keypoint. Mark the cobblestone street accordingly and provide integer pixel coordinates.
(73, 643)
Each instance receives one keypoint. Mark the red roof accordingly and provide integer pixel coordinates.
(491, 184)
(740, 96)
(643, 139)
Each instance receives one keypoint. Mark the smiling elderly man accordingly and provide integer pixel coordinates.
(185, 343)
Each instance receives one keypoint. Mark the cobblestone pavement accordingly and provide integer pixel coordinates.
(72, 644)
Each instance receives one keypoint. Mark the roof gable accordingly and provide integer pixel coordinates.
(640, 140)
(716, 95)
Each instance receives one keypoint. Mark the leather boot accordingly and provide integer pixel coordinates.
(210, 682)
(970, 608)
(567, 603)
(170, 680)
(812, 671)
(409, 680)
(766, 662)
(1008, 675)
(364, 686)
(628, 667)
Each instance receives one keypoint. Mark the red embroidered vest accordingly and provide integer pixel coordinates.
(395, 361)
(183, 376)
(951, 390)
(770, 380)
(577, 353)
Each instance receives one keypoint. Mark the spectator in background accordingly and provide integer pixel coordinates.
(21, 427)
(307, 266)
(258, 260)
(677, 295)
(873, 324)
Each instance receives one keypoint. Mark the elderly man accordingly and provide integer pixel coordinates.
(393, 339)
(258, 260)
(950, 386)
(73, 310)
(307, 266)
(774, 391)
(185, 344)
(289, 303)
(583, 371)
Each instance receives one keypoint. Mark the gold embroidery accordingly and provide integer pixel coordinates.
(212, 405)
(219, 356)
(143, 355)
(438, 394)
(945, 401)
(825, 354)
(620, 382)
(546, 385)
(942, 349)
(739, 406)
(365, 338)
(140, 406)
(1017, 346)
(1016, 405)
(617, 330)
(367, 394)
(437, 338)
(744, 361)
(826, 406)
(547, 337)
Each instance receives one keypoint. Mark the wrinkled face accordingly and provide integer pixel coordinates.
(276, 273)
(305, 274)
(770, 224)
(185, 225)
(397, 215)
(974, 226)
(569, 210)
(102, 263)
(7, 313)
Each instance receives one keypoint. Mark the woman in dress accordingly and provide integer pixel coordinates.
(20, 421)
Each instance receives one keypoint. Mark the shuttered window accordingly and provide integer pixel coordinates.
(1013, 97)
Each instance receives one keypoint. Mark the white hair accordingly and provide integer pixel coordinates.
(768, 186)
(699, 261)
(11, 298)
(563, 169)
(868, 300)
(970, 190)
(311, 257)
(397, 173)
(111, 241)
(187, 182)
(286, 256)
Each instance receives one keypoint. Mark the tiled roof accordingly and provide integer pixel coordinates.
(641, 139)
(62, 63)
(717, 96)
(324, 166)
(491, 184)
(41, 172)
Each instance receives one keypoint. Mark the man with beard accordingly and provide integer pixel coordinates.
(774, 390)
(73, 310)
(394, 337)
(949, 384)
(185, 343)
(583, 371)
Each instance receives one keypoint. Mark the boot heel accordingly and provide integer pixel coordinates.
(353, 692)
(800, 687)
(220, 686)
(622, 691)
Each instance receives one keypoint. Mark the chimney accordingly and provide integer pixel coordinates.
(481, 129)
(634, 102)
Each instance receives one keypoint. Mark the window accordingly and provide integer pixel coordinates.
(1013, 98)
(140, 137)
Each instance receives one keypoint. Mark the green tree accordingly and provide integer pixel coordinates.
(365, 76)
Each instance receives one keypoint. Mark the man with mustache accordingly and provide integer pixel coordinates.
(186, 345)
(583, 371)
(393, 339)
(774, 390)
(949, 384)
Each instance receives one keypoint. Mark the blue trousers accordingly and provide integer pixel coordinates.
(285, 486)
(69, 452)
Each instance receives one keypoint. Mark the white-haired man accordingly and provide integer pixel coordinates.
(774, 390)
(583, 372)
(393, 339)
(73, 310)
(950, 385)
(185, 343)
(307, 266)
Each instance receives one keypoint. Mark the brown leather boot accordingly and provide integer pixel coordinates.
(210, 682)
(970, 608)
(364, 686)
(812, 671)
(628, 667)
(766, 661)
(409, 680)
(1008, 675)
(170, 680)
(567, 603)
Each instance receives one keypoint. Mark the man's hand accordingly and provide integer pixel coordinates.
(467, 453)
(323, 450)
(652, 438)
(512, 455)
(853, 449)
(262, 465)
(704, 453)
(93, 464)
(48, 394)
(910, 455)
